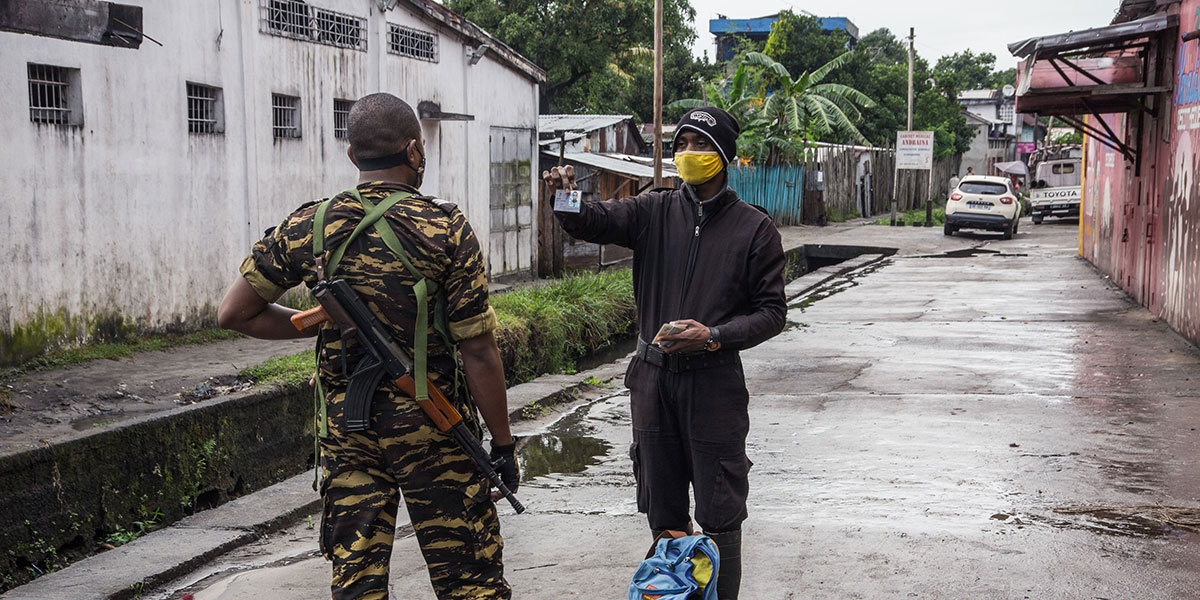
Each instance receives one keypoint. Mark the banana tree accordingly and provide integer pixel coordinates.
(803, 109)
(733, 95)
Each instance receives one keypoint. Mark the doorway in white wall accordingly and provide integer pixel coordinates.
(511, 201)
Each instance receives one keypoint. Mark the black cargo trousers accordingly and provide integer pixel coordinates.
(689, 428)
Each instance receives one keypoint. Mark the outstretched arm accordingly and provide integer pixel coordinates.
(610, 222)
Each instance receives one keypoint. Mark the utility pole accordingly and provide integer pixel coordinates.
(912, 34)
(658, 91)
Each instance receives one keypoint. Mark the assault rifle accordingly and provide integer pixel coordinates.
(342, 305)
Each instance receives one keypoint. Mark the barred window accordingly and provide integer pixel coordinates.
(1008, 112)
(54, 95)
(288, 17)
(205, 109)
(295, 19)
(406, 41)
(341, 118)
(285, 116)
(340, 30)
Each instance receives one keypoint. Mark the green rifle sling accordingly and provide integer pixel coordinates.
(374, 218)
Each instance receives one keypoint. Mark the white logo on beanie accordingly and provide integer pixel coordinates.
(705, 117)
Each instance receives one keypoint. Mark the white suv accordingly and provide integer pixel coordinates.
(983, 203)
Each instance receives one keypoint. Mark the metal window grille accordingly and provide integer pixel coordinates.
(285, 116)
(406, 41)
(337, 29)
(341, 118)
(1008, 112)
(202, 109)
(48, 95)
(295, 19)
(288, 18)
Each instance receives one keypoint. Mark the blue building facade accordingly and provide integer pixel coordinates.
(728, 30)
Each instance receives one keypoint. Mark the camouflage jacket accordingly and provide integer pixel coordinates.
(439, 242)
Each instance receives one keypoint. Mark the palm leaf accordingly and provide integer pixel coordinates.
(739, 84)
(758, 59)
(687, 103)
(836, 89)
(840, 119)
(819, 74)
(817, 112)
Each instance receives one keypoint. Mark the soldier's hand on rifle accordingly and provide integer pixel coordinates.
(559, 178)
(509, 473)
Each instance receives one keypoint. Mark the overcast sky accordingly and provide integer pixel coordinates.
(943, 26)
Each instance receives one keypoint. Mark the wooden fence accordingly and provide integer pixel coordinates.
(838, 183)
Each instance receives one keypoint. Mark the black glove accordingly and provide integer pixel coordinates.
(504, 460)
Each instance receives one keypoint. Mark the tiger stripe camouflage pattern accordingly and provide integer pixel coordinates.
(452, 514)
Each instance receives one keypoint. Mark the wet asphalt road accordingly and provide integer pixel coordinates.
(978, 426)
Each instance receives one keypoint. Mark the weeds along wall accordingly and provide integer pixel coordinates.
(135, 212)
(546, 327)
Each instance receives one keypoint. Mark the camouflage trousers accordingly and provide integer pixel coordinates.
(447, 500)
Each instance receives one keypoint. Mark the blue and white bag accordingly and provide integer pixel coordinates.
(678, 567)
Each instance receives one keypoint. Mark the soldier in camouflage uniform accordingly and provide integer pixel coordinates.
(448, 501)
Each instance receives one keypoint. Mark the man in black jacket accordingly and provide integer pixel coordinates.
(714, 265)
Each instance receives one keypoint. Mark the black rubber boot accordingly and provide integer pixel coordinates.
(729, 578)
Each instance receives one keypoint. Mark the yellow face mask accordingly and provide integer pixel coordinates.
(697, 167)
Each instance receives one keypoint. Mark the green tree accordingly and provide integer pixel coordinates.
(1003, 78)
(582, 45)
(969, 71)
(683, 77)
(881, 47)
(801, 45)
(878, 67)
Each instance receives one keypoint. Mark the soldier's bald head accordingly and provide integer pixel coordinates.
(381, 125)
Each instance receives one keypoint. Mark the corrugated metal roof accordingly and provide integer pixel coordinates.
(1076, 40)
(585, 123)
(617, 163)
(978, 94)
(1135, 9)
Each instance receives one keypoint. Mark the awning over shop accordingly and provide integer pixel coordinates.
(1015, 167)
(1106, 70)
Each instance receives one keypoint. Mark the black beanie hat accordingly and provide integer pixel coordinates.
(715, 124)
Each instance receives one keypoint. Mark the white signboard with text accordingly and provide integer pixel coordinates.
(914, 150)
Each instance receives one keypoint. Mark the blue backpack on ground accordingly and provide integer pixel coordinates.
(678, 567)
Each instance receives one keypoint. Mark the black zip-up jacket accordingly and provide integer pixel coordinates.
(719, 262)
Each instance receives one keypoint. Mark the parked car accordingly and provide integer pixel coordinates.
(1056, 189)
(980, 202)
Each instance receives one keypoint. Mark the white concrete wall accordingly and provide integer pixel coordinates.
(977, 154)
(131, 216)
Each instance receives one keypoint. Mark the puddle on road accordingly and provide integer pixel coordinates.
(567, 447)
(831, 288)
(1127, 521)
(970, 253)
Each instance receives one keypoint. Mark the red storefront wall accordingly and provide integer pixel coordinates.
(1143, 229)
(1179, 245)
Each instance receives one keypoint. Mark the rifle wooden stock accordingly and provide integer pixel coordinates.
(310, 317)
(437, 407)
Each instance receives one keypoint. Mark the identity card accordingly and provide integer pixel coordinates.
(567, 201)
